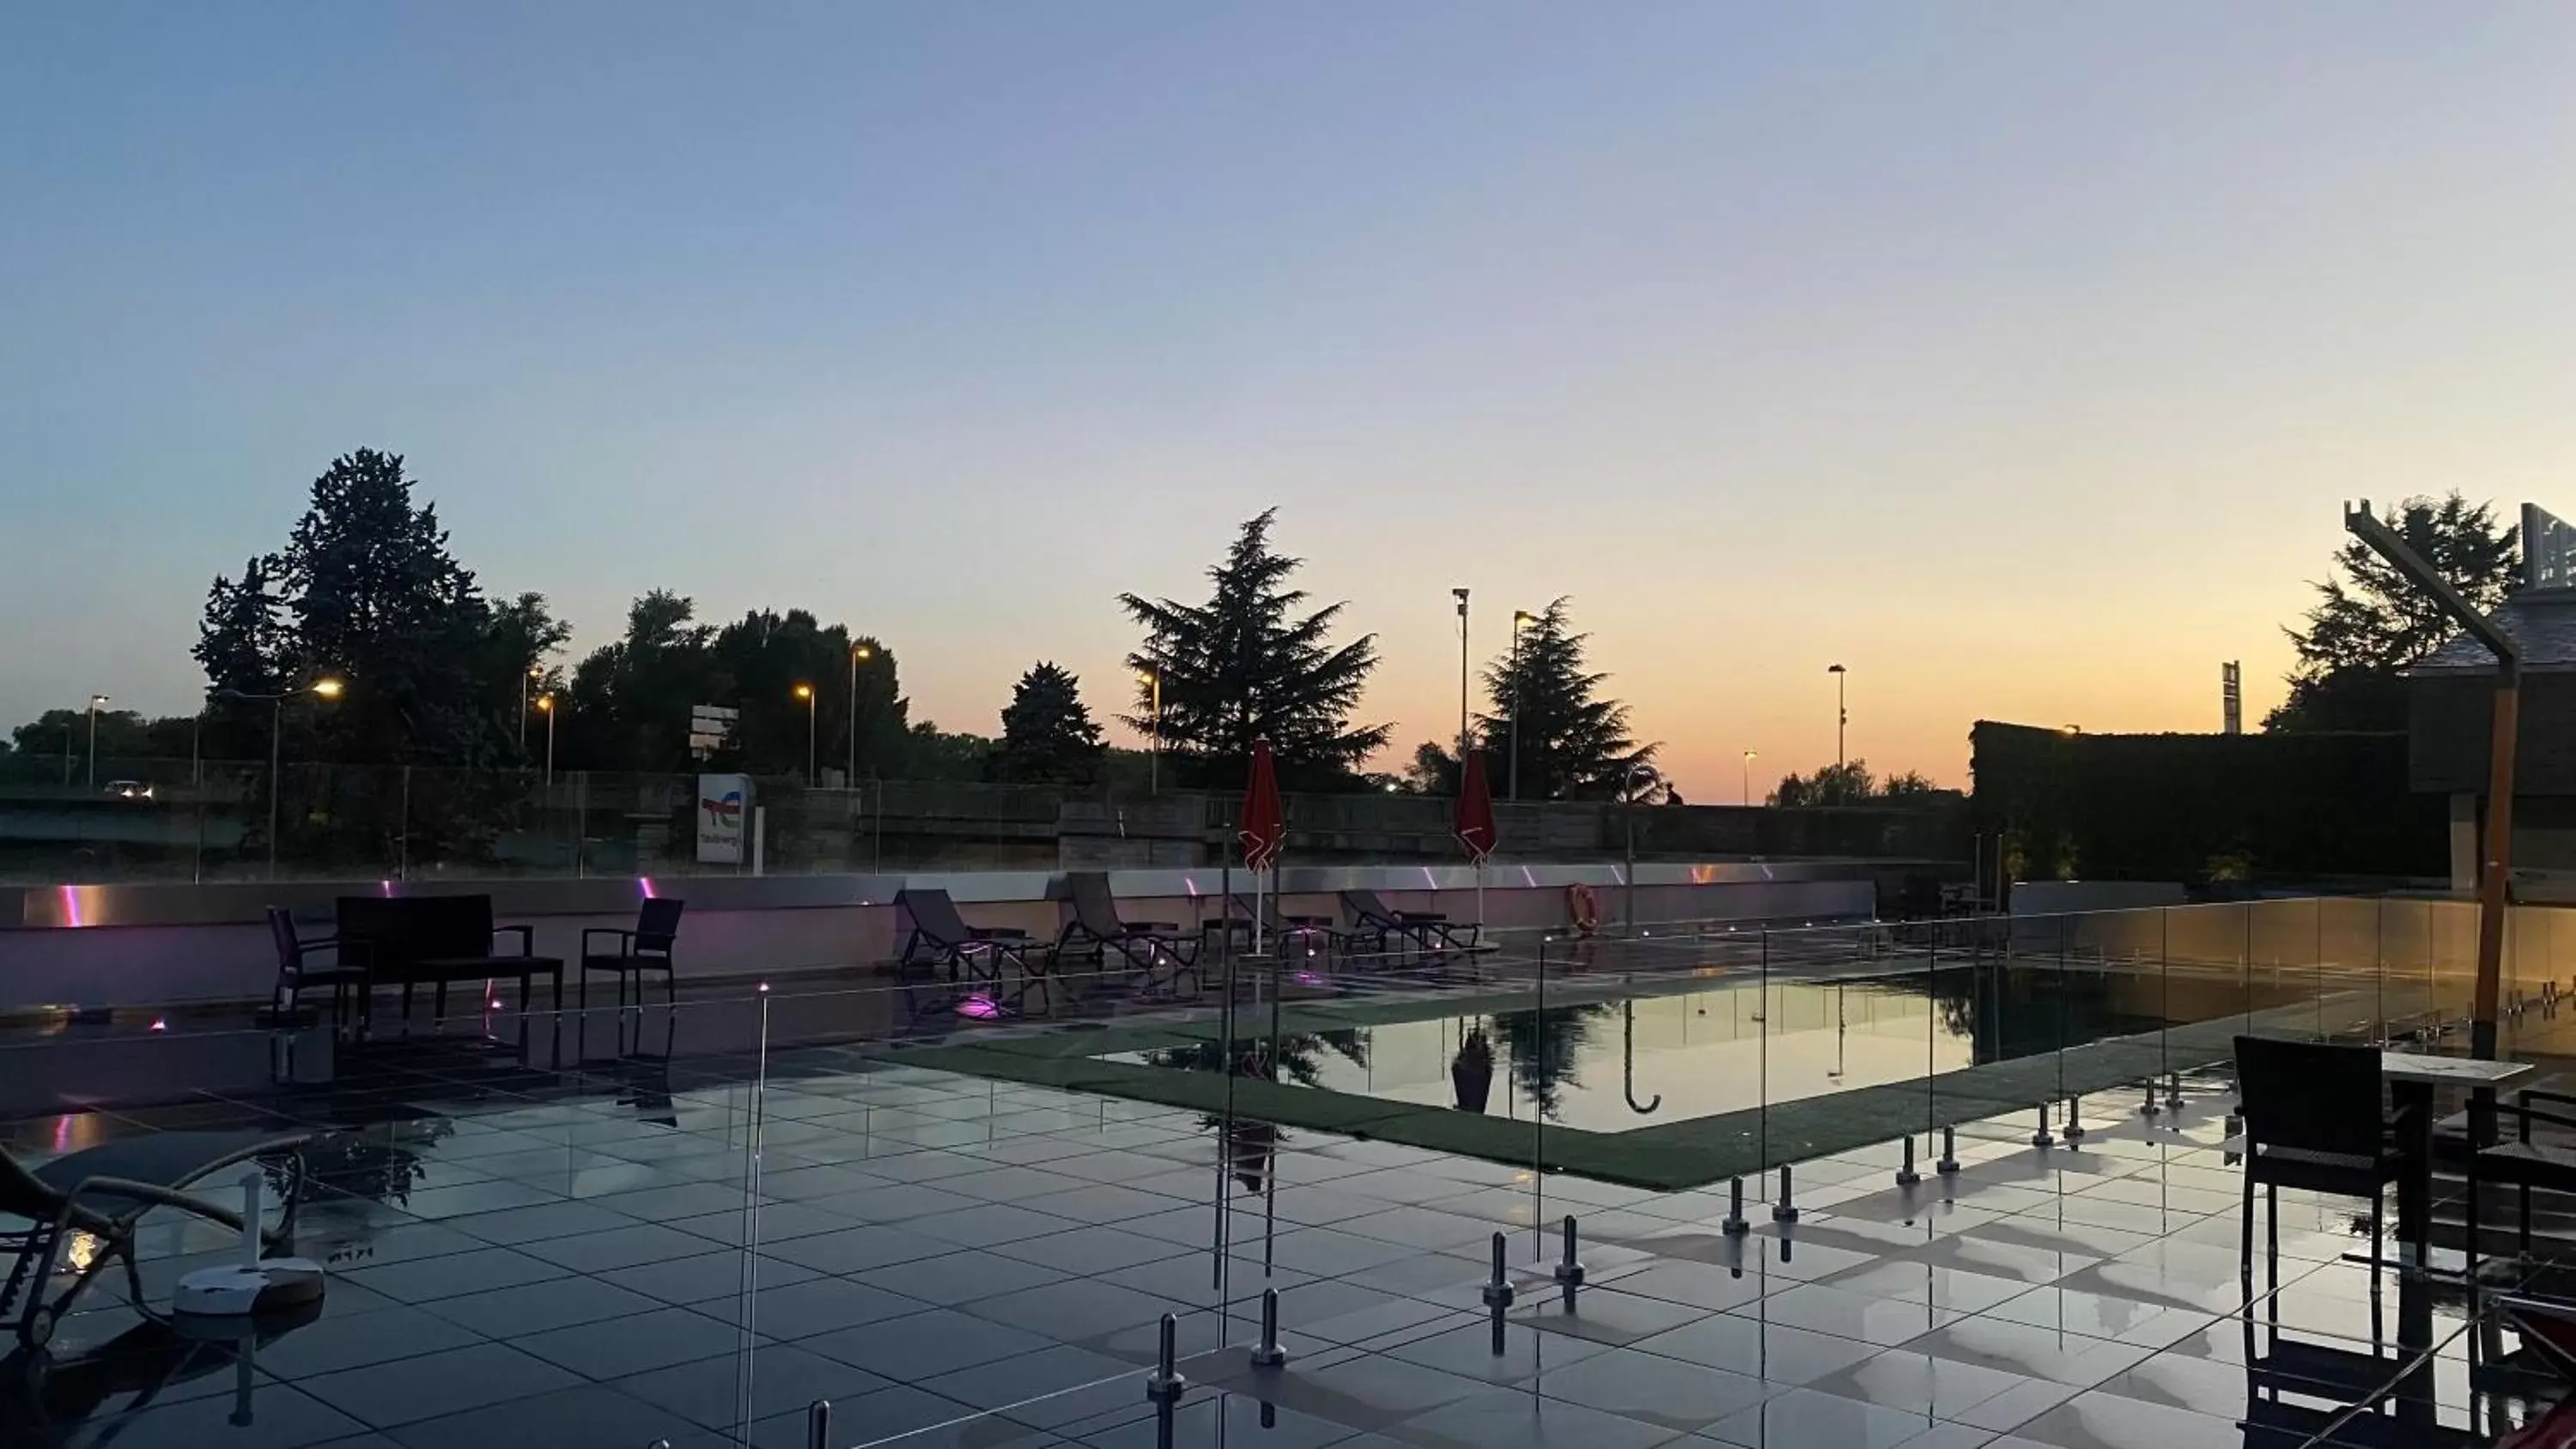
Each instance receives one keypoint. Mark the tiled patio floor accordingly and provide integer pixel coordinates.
(528, 1257)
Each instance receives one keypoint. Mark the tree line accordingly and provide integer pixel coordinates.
(437, 671)
(366, 589)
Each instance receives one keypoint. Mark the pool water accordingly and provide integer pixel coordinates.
(1613, 1066)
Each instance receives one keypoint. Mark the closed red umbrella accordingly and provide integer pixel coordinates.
(1476, 822)
(1263, 828)
(1476, 810)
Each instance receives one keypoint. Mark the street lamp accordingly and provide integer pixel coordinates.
(858, 652)
(1462, 689)
(1842, 715)
(95, 701)
(1519, 618)
(534, 673)
(546, 707)
(1749, 758)
(1153, 679)
(323, 688)
(805, 692)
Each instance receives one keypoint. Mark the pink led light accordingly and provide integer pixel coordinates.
(160, 1023)
(980, 1007)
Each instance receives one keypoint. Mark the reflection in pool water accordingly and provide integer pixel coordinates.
(1610, 1067)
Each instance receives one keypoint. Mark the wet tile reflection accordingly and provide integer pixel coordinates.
(611, 1253)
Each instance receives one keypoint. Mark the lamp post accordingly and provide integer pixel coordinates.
(1749, 758)
(323, 688)
(533, 674)
(1842, 715)
(1153, 680)
(1462, 688)
(546, 707)
(197, 791)
(805, 692)
(1519, 617)
(858, 652)
(95, 701)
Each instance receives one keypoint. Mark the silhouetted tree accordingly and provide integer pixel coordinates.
(630, 700)
(1850, 783)
(931, 753)
(365, 589)
(1047, 734)
(1248, 664)
(1574, 743)
(123, 734)
(2358, 639)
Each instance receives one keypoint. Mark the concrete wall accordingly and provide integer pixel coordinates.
(136, 945)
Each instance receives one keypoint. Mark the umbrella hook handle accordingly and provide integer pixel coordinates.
(1628, 1062)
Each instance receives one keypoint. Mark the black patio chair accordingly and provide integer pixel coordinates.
(2313, 1123)
(296, 971)
(105, 1191)
(2524, 1162)
(1427, 931)
(970, 955)
(1156, 950)
(646, 948)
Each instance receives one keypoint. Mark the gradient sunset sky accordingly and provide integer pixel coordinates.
(2017, 356)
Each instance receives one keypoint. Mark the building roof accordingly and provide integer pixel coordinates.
(2541, 621)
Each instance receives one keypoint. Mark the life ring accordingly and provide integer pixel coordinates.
(1583, 908)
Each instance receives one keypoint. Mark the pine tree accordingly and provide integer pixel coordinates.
(1047, 735)
(2357, 640)
(365, 589)
(1574, 744)
(1247, 665)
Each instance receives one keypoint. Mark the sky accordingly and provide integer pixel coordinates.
(2018, 357)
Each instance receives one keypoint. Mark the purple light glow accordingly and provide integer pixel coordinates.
(644, 884)
(979, 1007)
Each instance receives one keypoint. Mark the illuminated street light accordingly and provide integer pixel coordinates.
(1153, 678)
(546, 707)
(326, 687)
(805, 692)
(858, 653)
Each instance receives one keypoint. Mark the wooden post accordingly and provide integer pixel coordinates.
(2496, 859)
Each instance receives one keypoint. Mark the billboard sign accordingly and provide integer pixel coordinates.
(724, 810)
(710, 726)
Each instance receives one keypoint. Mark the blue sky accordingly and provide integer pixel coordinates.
(2018, 356)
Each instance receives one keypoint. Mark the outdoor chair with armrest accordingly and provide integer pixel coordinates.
(645, 948)
(296, 971)
(1428, 931)
(942, 941)
(1156, 950)
(105, 1191)
(2523, 1162)
(2314, 1123)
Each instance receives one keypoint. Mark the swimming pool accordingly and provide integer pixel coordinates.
(1672, 1054)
